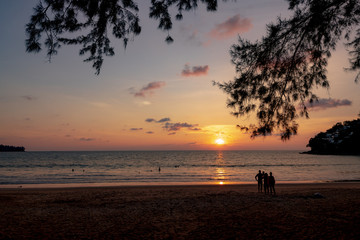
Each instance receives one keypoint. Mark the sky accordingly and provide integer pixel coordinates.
(151, 95)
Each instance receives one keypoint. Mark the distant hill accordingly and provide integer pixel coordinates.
(6, 148)
(342, 139)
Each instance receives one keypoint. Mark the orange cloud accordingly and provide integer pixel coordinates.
(148, 89)
(231, 27)
(178, 126)
(195, 70)
(173, 127)
(325, 103)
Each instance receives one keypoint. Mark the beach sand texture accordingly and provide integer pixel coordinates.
(182, 212)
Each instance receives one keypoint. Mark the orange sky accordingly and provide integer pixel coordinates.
(63, 105)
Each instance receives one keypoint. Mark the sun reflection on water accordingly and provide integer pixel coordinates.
(220, 173)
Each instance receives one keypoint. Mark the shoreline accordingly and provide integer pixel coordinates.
(330, 153)
(157, 184)
(248, 187)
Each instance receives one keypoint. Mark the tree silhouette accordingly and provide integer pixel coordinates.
(88, 22)
(8, 148)
(276, 75)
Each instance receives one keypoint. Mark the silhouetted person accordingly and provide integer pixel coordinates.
(266, 182)
(272, 183)
(259, 178)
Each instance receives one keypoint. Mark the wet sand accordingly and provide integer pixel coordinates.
(182, 212)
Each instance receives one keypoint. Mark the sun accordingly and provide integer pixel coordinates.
(219, 141)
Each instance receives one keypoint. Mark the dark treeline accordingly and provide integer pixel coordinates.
(6, 148)
(342, 138)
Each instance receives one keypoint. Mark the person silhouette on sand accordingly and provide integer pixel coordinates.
(266, 182)
(272, 183)
(259, 178)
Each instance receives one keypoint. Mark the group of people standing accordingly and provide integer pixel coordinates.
(268, 181)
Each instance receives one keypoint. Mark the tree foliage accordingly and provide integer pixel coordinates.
(8, 148)
(342, 138)
(276, 76)
(88, 23)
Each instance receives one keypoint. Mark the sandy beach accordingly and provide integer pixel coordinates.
(298, 211)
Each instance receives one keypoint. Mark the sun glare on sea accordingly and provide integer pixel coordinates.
(219, 141)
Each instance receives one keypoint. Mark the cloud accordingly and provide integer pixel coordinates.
(150, 132)
(325, 103)
(29, 98)
(136, 129)
(148, 89)
(87, 139)
(173, 127)
(194, 71)
(172, 133)
(192, 143)
(163, 120)
(140, 103)
(166, 119)
(231, 27)
(178, 126)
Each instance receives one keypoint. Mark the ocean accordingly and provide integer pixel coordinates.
(107, 168)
